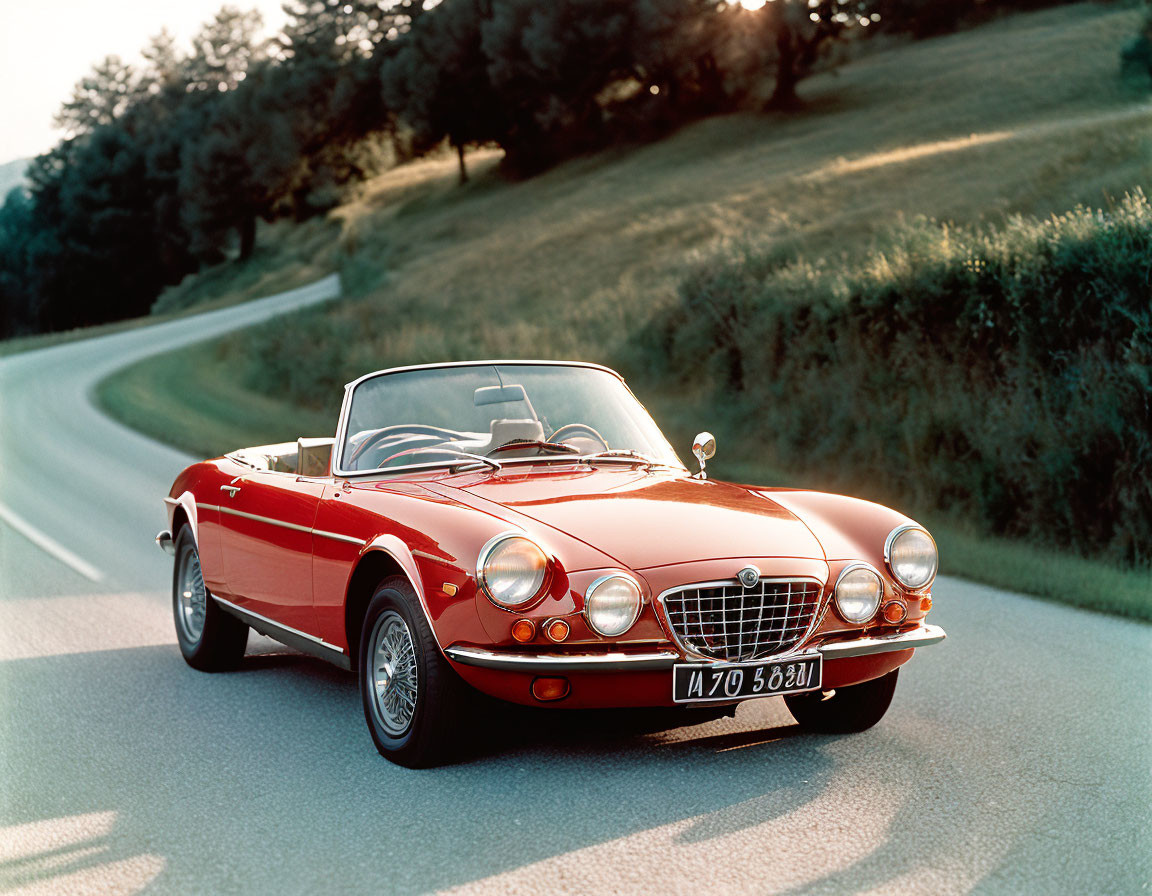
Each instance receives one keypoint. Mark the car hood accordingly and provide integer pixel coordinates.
(652, 519)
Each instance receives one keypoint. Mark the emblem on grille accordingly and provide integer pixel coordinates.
(749, 576)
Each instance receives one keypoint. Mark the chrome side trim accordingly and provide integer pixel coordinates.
(336, 536)
(443, 561)
(923, 636)
(551, 663)
(666, 621)
(164, 542)
(285, 634)
(296, 527)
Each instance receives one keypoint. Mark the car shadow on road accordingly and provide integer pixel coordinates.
(230, 777)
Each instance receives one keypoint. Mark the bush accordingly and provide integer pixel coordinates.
(1136, 55)
(299, 357)
(1003, 375)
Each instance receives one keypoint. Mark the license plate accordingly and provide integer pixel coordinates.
(703, 682)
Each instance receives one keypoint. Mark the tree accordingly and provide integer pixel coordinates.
(223, 50)
(676, 48)
(100, 98)
(17, 306)
(798, 31)
(346, 29)
(92, 253)
(437, 81)
(549, 63)
(241, 167)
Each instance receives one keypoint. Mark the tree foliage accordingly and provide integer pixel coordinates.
(168, 164)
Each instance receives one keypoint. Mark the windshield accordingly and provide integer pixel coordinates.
(505, 412)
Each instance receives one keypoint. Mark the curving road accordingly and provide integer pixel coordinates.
(1017, 757)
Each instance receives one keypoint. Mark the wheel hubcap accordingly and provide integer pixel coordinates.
(393, 674)
(192, 597)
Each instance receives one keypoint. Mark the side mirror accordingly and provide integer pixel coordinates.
(704, 449)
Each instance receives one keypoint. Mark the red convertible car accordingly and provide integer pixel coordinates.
(523, 529)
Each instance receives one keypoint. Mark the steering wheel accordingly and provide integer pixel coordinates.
(413, 429)
(370, 460)
(578, 431)
(440, 449)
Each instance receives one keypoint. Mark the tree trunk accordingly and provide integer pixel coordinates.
(463, 167)
(784, 96)
(247, 230)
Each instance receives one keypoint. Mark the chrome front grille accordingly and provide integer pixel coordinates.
(726, 621)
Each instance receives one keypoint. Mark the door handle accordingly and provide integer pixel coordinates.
(231, 489)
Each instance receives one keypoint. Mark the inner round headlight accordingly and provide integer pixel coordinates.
(612, 605)
(911, 555)
(858, 593)
(511, 570)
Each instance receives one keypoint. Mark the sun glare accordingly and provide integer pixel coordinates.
(752, 4)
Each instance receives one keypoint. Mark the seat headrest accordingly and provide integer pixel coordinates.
(505, 431)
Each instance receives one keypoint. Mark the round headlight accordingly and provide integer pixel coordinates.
(511, 570)
(858, 593)
(612, 605)
(911, 555)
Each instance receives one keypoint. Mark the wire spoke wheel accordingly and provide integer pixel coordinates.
(192, 597)
(393, 675)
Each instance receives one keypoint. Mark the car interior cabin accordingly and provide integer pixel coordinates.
(304, 457)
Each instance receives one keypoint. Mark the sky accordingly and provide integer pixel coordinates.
(49, 45)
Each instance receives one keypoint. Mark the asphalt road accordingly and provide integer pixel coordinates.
(1017, 756)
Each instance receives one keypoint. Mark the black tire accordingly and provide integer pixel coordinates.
(854, 708)
(441, 696)
(217, 642)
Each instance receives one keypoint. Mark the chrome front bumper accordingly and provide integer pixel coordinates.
(922, 636)
(546, 663)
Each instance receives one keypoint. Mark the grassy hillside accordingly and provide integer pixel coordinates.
(1025, 115)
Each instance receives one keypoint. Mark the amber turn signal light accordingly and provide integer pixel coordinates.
(925, 604)
(895, 612)
(523, 630)
(546, 689)
(556, 629)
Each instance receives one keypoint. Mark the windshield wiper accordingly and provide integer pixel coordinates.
(471, 460)
(622, 454)
(553, 447)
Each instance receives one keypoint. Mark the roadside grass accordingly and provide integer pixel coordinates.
(1010, 564)
(1048, 574)
(211, 419)
(965, 551)
(288, 256)
(1022, 116)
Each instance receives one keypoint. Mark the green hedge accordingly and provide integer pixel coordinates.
(1001, 375)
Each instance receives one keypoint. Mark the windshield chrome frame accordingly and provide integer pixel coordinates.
(346, 410)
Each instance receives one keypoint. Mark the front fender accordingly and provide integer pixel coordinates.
(187, 503)
(847, 528)
(402, 554)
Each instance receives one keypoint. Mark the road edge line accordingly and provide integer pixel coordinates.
(50, 545)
